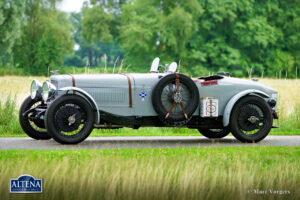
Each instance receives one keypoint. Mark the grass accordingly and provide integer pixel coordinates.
(183, 173)
(18, 86)
(289, 110)
(9, 123)
(113, 67)
(288, 104)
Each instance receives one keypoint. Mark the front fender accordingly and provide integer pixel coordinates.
(235, 98)
(86, 95)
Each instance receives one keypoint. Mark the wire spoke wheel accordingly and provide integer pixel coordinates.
(31, 119)
(175, 98)
(70, 119)
(251, 119)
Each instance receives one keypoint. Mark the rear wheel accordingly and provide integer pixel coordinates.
(31, 125)
(251, 119)
(69, 119)
(214, 133)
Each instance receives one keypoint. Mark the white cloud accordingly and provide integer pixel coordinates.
(71, 5)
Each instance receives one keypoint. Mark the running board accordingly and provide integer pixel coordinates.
(275, 126)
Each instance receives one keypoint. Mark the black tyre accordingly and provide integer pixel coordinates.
(34, 128)
(175, 98)
(251, 119)
(69, 119)
(214, 133)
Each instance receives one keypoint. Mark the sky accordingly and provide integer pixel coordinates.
(70, 5)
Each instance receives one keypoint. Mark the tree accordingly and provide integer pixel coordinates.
(46, 38)
(139, 32)
(215, 35)
(11, 22)
(95, 27)
(158, 28)
(236, 35)
(55, 42)
(205, 36)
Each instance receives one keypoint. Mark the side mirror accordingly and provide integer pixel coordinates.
(172, 67)
(154, 66)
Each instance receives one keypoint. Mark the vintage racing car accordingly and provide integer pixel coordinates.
(68, 107)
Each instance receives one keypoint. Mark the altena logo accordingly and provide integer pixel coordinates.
(26, 184)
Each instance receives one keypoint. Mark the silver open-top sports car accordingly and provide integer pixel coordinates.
(68, 107)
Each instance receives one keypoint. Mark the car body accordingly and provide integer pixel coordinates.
(132, 100)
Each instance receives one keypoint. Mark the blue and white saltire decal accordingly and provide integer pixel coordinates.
(143, 95)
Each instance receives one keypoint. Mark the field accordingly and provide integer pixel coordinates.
(184, 173)
(18, 87)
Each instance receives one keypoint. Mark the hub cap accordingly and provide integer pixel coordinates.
(253, 119)
(72, 119)
(177, 97)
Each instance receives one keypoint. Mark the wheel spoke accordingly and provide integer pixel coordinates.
(261, 119)
(170, 88)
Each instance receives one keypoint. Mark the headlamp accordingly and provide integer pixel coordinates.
(48, 90)
(272, 103)
(35, 89)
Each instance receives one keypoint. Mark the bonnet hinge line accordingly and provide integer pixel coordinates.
(130, 90)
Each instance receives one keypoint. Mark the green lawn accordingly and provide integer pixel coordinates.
(148, 132)
(182, 173)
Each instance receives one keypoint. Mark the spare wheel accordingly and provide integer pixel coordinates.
(175, 98)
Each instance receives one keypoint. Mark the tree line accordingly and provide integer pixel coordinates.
(258, 37)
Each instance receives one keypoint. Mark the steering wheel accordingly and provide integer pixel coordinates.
(162, 67)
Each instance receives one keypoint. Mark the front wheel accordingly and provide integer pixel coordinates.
(251, 119)
(33, 126)
(69, 119)
(214, 133)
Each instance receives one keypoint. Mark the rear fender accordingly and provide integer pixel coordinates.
(87, 96)
(235, 98)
